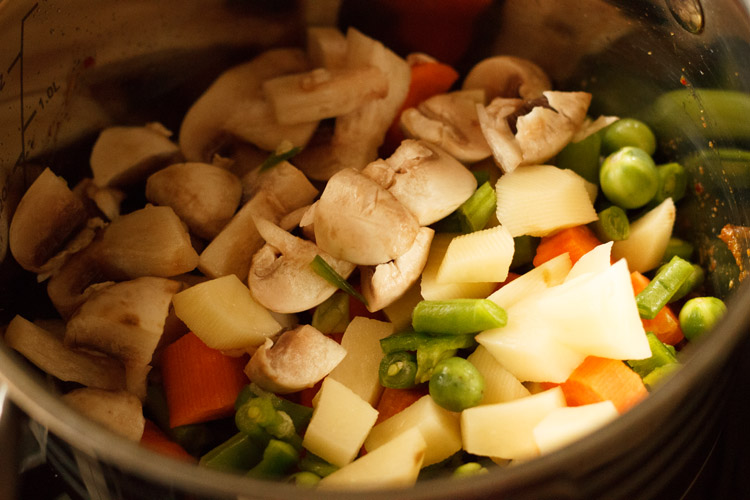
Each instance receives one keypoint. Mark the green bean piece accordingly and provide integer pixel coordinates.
(313, 463)
(332, 315)
(660, 355)
(524, 250)
(456, 384)
(278, 458)
(695, 280)
(699, 315)
(276, 158)
(398, 370)
(665, 284)
(299, 414)
(678, 247)
(238, 453)
(457, 316)
(628, 132)
(582, 157)
(628, 177)
(481, 176)
(672, 183)
(258, 415)
(612, 225)
(474, 213)
(430, 348)
(304, 479)
(659, 374)
(470, 469)
(325, 271)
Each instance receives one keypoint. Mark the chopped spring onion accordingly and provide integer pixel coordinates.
(325, 271)
(276, 158)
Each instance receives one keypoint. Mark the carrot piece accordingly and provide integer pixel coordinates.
(600, 379)
(393, 401)
(576, 241)
(200, 383)
(427, 79)
(154, 439)
(665, 325)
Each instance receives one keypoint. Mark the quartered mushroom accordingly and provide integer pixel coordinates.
(204, 196)
(48, 215)
(274, 193)
(122, 156)
(358, 220)
(119, 411)
(425, 179)
(326, 47)
(126, 321)
(102, 200)
(281, 277)
(297, 360)
(531, 132)
(450, 121)
(235, 108)
(385, 283)
(358, 134)
(508, 76)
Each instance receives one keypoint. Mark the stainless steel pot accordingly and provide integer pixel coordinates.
(70, 68)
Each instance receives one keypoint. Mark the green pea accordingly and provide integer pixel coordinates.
(628, 132)
(699, 315)
(629, 178)
(398, 370)
(456, 384)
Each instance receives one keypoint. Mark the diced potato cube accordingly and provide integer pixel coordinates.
(505, 430)
(434, 290)
(339, 425)
(565, 425)
(478, 257)
(359, 369)
(439, 427)
(395, 464)
(499, 384)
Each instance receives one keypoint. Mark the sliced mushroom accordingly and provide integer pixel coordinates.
(508, 76)
(425, 179)
(204, 196)
(531, 132)
(276, 192)
(47, 216)
(151, 241)
(297, 360)
(385, 283)
(122, 156)
(359, 221)
(357, 135)
(119, 411)
(82, 240)
(234, 107)
(450, 121)
(44, 347)
(126, 321)
(103, 200)
(281, 277)
(322, 93)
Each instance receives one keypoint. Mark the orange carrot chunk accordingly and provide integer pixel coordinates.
(600, 379)
(200, 383)
(576, 241)
(392, 401)
(154, 439)
(665, 325)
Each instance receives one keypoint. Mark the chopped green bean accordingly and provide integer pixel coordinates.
(456, 384)
(582, 157)
(672, 183)
(628, 132)
(660, 355)
(612, 225)
(699, 315)
(628, 178)
(678, 247)
(660, 374)
(470, 469)
(398, 370)
(325, 271)
(430, 348)
(457, 316)
(238, 453)
(278, 458)
(665, 284)
(474, 213)
(694, 281)
(313, 463)
(332, 315)
(304, 479)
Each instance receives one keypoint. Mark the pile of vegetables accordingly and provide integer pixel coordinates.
(356, 270)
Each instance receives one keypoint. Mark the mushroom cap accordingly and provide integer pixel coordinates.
(48, 214)
(297, 360)
(204, 196)
(450, 121)
(508, 76)
(119, 411)
(359, 221)
(385, 283)
(281, 278)
(425, 179)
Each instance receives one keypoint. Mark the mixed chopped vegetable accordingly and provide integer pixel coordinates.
(355, 269)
